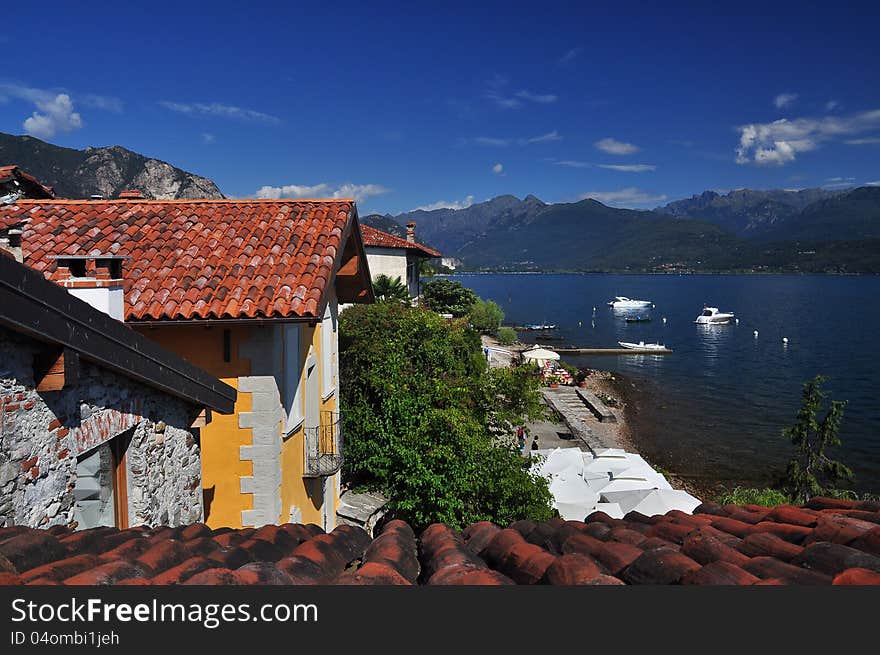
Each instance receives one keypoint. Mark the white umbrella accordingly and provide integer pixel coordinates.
(560, 459)
(540, 354)
(636, 484)
(611, 509)
(576, 511)
(652, 501)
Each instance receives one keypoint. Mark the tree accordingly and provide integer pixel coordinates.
(419, 408)
(485, 316)
(811, 472)
(448, 297)
(506, 336)
(387, 289)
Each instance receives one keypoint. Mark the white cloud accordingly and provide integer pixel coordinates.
(839, 182)
(105, 103)
(54, 111)
(541, 99)
(497, 92)
(491, 141)
(219, 110)
(545, 138)
(875, 183)
(831, 105)
(498, 169)
(573, 164)
(357, 191)
(570, 56)
(55, 115)
(444, 204)
(615, 147)
(208, 138)
(522, 141)
(780, 142)
(630, 168)
(784, 100)
(871, 140)
(628, 197)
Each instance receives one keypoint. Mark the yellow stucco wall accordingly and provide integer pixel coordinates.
(222, 438)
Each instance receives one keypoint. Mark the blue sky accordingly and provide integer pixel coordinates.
(448, 104)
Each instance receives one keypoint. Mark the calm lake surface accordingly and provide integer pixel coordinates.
(716, 406)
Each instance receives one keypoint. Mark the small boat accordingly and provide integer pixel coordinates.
(622, 302)
(638, 319)
(711, 316)
(641, 345)
(539, 326)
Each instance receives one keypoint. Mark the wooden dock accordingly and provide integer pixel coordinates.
(609, 351)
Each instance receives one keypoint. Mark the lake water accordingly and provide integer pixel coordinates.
(716, 406)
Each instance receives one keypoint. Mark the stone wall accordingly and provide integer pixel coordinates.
(42, 434)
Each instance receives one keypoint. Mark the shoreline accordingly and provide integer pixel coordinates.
(628, 412)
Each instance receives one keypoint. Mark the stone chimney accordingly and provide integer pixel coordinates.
(95, 279)
(411, 232)
(10, 240)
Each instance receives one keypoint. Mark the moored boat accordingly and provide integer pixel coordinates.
(622, 302)
(711, 316)
(641, 345)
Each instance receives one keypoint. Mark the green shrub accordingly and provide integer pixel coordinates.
(485, 316)
(506, 336)
(448, 297)
(752, 496)
(418, 407)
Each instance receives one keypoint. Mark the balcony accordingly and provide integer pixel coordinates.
(323, 447)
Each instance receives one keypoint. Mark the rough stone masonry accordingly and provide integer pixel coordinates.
(43, 433)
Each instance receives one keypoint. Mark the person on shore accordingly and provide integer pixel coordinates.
(535, 443)
(521, 438)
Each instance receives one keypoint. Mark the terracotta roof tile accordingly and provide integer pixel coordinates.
(380, 239)
(169, 243)
(572, 569)
(659, 566)
(719, 573)
(780, 548)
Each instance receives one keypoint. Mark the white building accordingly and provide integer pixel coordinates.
(395, 257)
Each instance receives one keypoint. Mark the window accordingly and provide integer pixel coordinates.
(329, 346)
(293, 403)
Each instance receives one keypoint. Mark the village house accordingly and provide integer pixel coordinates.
(395, 257)
(247, 290)
(16, 183)
(95, 419)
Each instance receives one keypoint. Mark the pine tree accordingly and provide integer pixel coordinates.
(811, 472)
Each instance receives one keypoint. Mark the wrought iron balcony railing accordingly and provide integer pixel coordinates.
(323, 447)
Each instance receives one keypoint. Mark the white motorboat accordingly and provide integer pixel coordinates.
(711, 316)
(622, 302)
(641, 345)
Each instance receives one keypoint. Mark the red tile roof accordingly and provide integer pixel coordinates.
(33, 187)
(838, 548)
(380, 239)
(198, 259)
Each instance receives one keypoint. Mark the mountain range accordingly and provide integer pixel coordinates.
(102, 171)
(809, 230)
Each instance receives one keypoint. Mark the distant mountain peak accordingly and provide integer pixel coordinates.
(104, 171)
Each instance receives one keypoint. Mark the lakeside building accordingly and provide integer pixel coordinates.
(248, 291)
(96, 420)
(395, 257)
